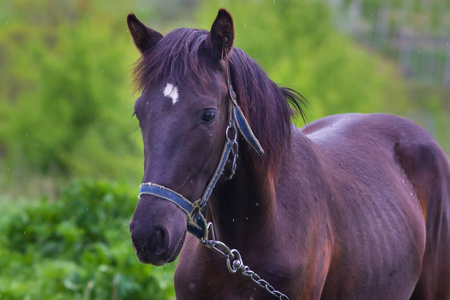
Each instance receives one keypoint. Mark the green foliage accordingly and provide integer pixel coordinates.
(66, 98)
(297, 44)
(77, 247)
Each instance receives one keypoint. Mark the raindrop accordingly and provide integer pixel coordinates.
(7, 169)
(246, 218)
(371, 16)
(418, 52)
(87, 208)
(62, 155)
(7, 22)
(257, 204)
(232, 220)
(26, 133)
(73, 57)
(24, 232)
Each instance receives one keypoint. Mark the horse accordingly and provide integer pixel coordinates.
(351, 206)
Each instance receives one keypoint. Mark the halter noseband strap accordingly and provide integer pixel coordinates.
(196, 221)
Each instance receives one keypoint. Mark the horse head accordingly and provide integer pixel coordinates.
(182, 113)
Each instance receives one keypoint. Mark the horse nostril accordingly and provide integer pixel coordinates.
(159, 242)
(152, 242)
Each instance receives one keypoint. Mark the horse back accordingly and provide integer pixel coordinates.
(401, 149)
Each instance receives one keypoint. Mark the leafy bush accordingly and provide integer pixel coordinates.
(77, 247)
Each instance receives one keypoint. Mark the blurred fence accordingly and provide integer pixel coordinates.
(416, 35)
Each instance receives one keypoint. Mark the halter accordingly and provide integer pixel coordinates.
(196, 224)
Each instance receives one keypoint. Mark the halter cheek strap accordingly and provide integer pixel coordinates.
(196, 221)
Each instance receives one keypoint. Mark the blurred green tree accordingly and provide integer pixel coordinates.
(64, 103)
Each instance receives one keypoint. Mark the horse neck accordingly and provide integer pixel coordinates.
(249, 205)
(243, 207)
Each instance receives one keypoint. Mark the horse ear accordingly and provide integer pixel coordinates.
(221, 35)
(144, 38)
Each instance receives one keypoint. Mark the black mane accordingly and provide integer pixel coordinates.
(182, 57)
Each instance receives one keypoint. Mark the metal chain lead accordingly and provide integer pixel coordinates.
(235, 263)
(262, 283)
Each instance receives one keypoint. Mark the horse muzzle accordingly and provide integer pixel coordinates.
(157, 235)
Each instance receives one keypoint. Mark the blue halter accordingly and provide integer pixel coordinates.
(196, 221)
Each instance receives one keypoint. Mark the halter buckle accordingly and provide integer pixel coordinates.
(234, 132)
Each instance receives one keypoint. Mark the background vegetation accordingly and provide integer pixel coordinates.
(77, 248)
(66, 104)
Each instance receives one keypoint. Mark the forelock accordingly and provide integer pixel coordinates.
(179, 57)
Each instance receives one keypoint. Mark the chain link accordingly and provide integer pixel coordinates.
(235, 263)
(264, 284)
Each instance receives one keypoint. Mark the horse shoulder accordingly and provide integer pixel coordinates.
(304, 250)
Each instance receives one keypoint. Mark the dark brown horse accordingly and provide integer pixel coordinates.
(351, 206)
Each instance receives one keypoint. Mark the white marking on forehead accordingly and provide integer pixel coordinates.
(171, 91)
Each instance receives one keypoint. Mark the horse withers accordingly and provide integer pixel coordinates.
(351, 206)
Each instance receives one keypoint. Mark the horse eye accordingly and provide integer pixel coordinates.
(209, 115)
